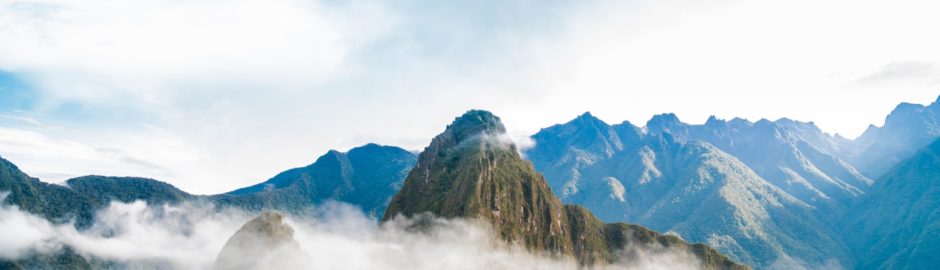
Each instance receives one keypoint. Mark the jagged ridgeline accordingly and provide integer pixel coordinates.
(473, 171)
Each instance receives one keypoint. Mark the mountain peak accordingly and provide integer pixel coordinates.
(587, 119)
(907, 107)
(265, 242)
(587, 115)
(373, 149)
(666, 123)
(332, 157)
(713, 121)
(665, 118)
(474, 123)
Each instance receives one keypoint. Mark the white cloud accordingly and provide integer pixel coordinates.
(22, 231)
(338, 237)
(88, 50)
(904, 72)
(52, 158)
(240, 90)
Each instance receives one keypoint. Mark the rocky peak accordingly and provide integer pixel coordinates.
(666, 123)
(713, 121)
(588, 119)
(265, 242)
(475, 123)
(664, 119)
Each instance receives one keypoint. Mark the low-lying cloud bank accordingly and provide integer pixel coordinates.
(335, 236)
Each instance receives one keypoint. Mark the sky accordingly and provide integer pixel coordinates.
(212, 95)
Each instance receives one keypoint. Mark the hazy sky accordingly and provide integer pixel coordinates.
(211, 95)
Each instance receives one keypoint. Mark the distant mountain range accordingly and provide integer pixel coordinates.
(766, 193)
(689, 187)
(366, 177)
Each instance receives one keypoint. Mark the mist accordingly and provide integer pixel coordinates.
(334, 236)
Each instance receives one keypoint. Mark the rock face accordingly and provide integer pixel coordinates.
(265, 242)
(472, 171)
(897, 225)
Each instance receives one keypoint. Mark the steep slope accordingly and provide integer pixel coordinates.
(688, 187)
(908, 128)
(366, 176)
(584, 141)
(472, 171)
(794, 156)
(897, 225)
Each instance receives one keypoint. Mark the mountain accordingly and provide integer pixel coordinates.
(654, 177)
(366, 176)
(794, 156)
(472, 170)
(561, 150)
(265, 242)
(74, 203)
(908, 128)
(102, 190)
(80, 197)
(897, 225)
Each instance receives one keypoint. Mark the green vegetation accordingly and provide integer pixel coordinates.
(366, 177)
(897, 225)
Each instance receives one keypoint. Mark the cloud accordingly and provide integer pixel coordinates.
(101, 50)
(58, 156)
(904, 72)
(245, 89)
(22, 231)
(335, 236)
(788, 263)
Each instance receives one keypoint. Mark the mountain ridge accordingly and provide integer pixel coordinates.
(668, 183)
(907, 129)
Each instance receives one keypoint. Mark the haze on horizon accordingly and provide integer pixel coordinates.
(212, 95)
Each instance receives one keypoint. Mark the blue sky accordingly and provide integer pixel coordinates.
(211, 95)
